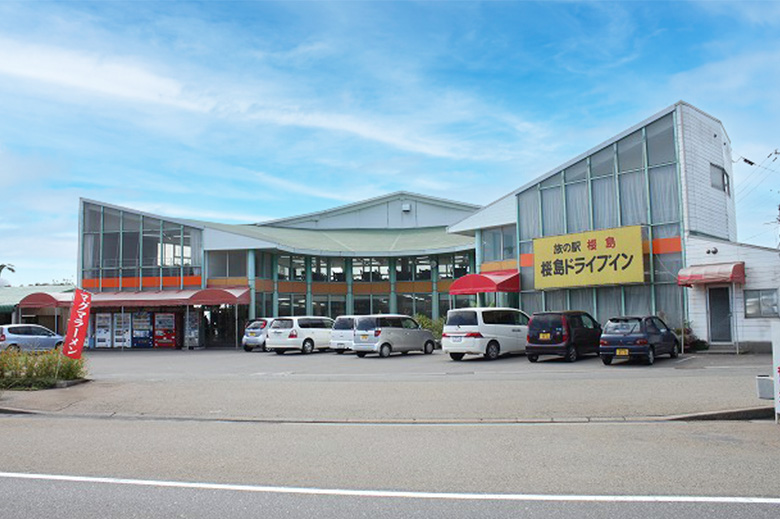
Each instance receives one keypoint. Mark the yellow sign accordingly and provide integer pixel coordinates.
(606, 257)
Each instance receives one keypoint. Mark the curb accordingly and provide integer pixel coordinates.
(749, 413)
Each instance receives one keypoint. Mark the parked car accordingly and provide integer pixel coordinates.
(305, 334)
(28, 337)
(568, 334)
(343, 334)
(388, 333)
(637, 338)
(489, 332)
(256, 333)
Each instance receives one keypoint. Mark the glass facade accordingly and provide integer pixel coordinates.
(498, 243)
(633, 181)
(123, 250)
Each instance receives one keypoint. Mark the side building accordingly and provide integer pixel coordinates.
(170, 282)
(622, 228)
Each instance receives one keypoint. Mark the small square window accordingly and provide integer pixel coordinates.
(720, 179)
(761, 303)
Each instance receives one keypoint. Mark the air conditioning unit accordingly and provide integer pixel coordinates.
(407, 208)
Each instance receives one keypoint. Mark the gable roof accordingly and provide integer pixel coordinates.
(371, 202)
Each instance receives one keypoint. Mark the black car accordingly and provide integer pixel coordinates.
(568, 334)
(637, 338)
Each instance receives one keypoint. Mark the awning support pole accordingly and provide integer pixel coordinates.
(236, 312)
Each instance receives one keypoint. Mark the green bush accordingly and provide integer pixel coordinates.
(435, 326)
(37, 369)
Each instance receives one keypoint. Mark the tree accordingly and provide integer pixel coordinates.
(8, 266)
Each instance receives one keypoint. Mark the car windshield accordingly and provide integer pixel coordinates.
(366, 323)
(282, 323)
(545, 322)
(463, 318)
(343, 323)
(257, 325)
(624, 326)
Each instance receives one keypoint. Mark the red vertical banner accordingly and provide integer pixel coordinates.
(78, 324)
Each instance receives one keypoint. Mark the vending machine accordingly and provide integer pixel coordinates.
(122, 330)
(164, 330)
(142, 330)
(192, 331)
(103, 335)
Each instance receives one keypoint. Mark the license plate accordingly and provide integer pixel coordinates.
(340, 344)
(457, 339)
(364, 337)
(252, 334)
(621, 351)
(544, 336)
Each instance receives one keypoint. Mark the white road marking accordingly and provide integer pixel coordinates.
(397, 494)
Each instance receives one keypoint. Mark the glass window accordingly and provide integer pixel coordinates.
(608, 303)
(664, 195)
(761, 303)
(554, 180)
(319, 269)
(218, 264)
(444, 304)
(633, 198)
(110, 219)
(131, 248)
(719, 178)
(462, 318)
(581, 299)
(577, 207)
(508, 242)
(552, 212)
(91, 253)
(285, 305)
(338, 305)
(298, 268)
(602, 162)
(660, 141)
(422, 268)
(423, 304)
(604, 203)
(404, 268)
(668, 304)
(531, 302)
(666, 267)
(299, 304)
(578, 171)
(91, 218)
(283, 267)
(151, 242)
(237, 264)
(446, 267)
(380, 304)
(462, 263)
(337, 274)
(491, 245)
(110, 250)
(362, 304)
(630, 152)
(638, 300)
(405, 304)
(555, 300)
(528, 207)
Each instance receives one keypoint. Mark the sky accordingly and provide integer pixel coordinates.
(241, 112)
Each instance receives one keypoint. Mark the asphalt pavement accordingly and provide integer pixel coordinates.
(326, 387)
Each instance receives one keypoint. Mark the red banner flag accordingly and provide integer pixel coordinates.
(78, 324)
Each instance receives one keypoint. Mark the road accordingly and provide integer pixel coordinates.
(188, 461)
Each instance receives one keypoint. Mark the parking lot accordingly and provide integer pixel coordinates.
(233, 384)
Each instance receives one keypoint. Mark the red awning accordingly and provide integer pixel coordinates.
(716, 273)
(499, 281)
(208, 296)
(47, 300)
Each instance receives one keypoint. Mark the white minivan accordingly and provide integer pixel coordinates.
(490, 332)
(305, 334)
(342, 337)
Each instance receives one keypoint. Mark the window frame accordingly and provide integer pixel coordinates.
(759, 293)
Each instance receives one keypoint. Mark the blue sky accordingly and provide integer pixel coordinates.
(247, 111)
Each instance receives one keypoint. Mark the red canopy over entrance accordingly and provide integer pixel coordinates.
(498, 281)
(208, 296)
(716, 273)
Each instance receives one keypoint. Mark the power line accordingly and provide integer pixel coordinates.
(744, 184)
(744, 194)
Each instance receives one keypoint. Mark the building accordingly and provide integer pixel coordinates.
(643, 223)
(655, 200)
(197, 282)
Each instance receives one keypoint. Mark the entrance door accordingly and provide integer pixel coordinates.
(720, 314)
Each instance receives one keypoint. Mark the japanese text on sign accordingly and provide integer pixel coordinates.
(610, 256)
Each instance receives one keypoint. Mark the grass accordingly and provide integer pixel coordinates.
(37, 369)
